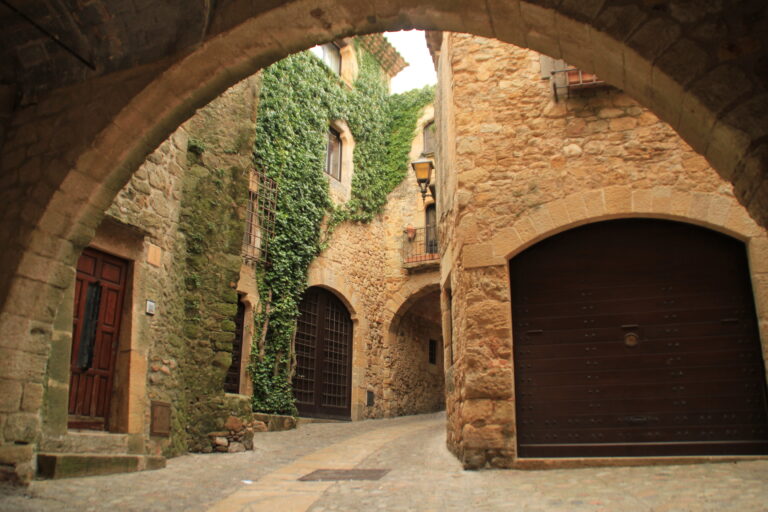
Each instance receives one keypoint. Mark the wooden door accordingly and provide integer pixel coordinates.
(232, 378)
(99, 295)
(637, 337)
(323, 380)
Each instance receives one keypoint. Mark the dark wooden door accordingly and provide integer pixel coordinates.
(232, 378)
(99, 294)
(637, 337)
(323, 381)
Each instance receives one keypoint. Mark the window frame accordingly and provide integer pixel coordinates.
(334, 135)
(429, 150)
(324, 52)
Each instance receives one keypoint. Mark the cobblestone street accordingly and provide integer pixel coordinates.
(423, 476)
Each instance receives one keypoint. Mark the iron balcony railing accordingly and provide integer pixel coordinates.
(573, 79)
(420, 245)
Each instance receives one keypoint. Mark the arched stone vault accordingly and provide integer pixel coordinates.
(413, 291)
(66, 157)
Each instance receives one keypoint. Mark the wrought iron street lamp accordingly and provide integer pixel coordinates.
(423, 169)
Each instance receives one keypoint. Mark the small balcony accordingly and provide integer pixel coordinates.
(420, 247)
(572, 79)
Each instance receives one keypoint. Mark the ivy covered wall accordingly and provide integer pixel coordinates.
(300, 97)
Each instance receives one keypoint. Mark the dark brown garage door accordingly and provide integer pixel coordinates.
(637, 337)
(323, 381)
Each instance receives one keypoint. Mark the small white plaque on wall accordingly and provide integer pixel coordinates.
(151, 307)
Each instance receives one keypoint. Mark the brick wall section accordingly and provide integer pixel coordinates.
(526, 168)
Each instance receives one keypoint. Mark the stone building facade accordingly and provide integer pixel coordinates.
(190, 297)
(516, 167)
(73, 135)
(395, 303)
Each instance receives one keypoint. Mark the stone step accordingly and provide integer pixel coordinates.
(94, 442)
(301, 420)
(68, 465)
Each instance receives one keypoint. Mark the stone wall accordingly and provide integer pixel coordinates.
(522, 167)
(363, 265)
(67, 155)
(180, 204)
(213, 223)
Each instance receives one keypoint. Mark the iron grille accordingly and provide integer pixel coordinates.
(420, 245)
(260, 217)
(337, 336)
(322, 380)
(306, 330)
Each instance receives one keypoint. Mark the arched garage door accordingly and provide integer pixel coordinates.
(637, 337)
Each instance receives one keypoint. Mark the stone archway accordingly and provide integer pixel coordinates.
(65, 158)
(485, 373)
(325, 278)
(415, 350)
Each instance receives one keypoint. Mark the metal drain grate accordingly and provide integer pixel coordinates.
(329, 475)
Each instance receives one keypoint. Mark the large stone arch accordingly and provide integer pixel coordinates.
(718, 212)
(66, 157)
(412, 291)
(408, 391)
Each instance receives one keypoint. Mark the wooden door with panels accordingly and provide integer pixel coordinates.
(322, 384)
(637, 338)
(99, 294)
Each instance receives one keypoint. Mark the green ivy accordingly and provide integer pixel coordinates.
(300, 96)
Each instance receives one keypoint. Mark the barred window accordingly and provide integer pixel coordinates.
(259, 217)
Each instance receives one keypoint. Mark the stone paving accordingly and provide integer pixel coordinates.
(423, 476)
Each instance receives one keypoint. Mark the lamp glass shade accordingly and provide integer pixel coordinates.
(423, 169)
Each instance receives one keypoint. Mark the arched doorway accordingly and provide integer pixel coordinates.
(637, 337)
(416, 353)
(322, 383)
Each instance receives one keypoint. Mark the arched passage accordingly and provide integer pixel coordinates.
(416, 381)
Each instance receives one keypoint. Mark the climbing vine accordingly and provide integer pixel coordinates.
(300, 96)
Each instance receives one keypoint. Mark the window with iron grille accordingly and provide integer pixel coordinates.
(333, 157)
(259, 217)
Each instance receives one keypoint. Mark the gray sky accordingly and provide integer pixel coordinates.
(413, 47)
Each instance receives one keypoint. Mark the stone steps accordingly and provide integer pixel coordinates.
(305, 421)
(89, 441)
(89, 453)
(68, 465)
